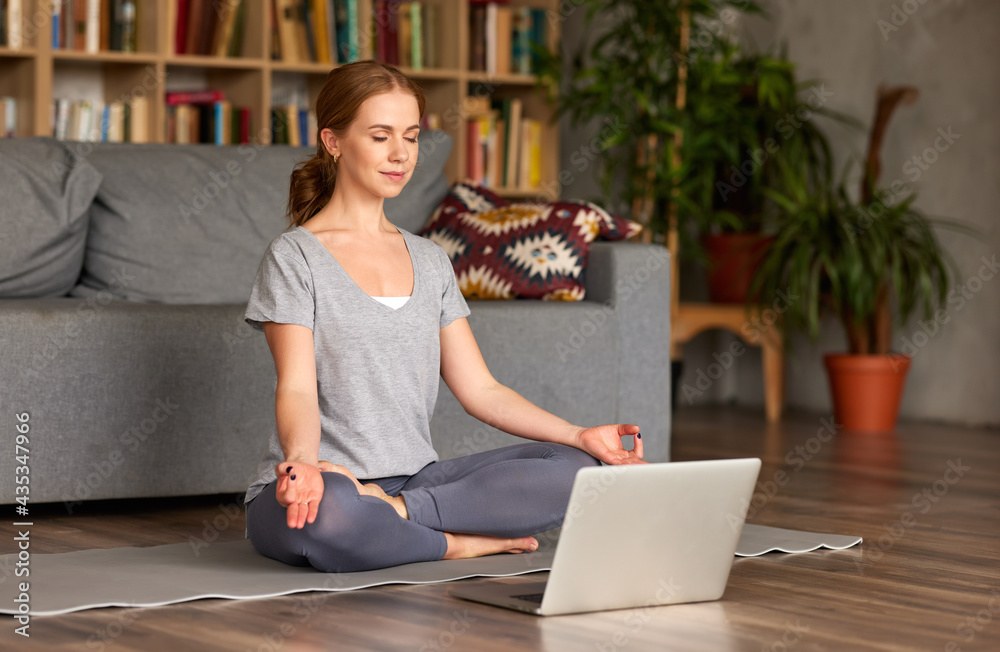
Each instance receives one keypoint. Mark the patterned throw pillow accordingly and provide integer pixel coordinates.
(505, 250)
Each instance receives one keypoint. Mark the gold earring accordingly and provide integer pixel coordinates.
(334, 158)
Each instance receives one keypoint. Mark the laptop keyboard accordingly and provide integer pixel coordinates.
(531, 597)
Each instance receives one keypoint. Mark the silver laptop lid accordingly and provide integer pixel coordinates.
(649, 534)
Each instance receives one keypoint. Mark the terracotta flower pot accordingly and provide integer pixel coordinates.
(867, 389)
(732, 260)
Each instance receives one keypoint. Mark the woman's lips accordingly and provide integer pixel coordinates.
(395, 176)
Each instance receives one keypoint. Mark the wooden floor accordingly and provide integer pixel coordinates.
(927, 577)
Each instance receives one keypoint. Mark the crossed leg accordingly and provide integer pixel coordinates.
(508, 492)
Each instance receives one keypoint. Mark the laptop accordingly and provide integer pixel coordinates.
(635, 536)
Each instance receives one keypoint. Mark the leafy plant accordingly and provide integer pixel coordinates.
(853, 260)
(624, 74)
(738, 107)
(748, 113)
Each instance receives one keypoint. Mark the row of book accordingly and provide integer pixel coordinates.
(317, 31)
(11, 21)
(504, 148)
(501, 37)
(406, 33)
(117, 121)
(95, 25)
(208, 27)
(293, 125)
(205, 116)
(8, 117)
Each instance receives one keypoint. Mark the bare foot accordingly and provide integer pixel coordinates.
(329, 467)
(371, 489)
(397, 502)
(464, 546)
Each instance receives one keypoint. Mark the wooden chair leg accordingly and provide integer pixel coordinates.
(774, 379)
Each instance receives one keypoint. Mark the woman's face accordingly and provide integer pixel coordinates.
(379, 150)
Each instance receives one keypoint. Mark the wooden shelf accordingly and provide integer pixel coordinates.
(32, 72)
(19, 52)
(102, 57)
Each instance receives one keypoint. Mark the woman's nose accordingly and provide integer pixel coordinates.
(399, 152)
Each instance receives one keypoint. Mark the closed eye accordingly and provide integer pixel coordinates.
(382, 139)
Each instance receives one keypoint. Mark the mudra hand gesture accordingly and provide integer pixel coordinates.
(300, 489)
(605, 443)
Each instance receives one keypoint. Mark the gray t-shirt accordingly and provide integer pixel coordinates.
(377, 367)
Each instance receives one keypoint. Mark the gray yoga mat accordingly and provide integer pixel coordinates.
(161, 575)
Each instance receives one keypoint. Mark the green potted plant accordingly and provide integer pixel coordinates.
(870, 262)
(626, 74)
(706, 160)
(748, 115)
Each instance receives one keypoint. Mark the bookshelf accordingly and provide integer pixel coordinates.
(36, 73)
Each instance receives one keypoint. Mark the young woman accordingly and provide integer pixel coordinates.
(361, 318)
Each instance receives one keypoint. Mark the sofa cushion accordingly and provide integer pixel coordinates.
(529, 250)
(190, 223)
(44, 198)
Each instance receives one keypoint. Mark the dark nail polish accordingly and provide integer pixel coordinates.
(293, 476)
(638, 435)
(288, 470)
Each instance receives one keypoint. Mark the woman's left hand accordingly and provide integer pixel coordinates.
(605, 443)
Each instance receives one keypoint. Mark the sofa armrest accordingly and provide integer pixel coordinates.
(633, 280)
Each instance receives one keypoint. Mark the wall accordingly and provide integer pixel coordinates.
(944, 48)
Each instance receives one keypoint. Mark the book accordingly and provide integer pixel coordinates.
(92, 33)
(331, 29)
(105, 121)
(139, 111)
(539, 34)
(8, 123)
(235, 47)
(380, 16)
(275, 34)
(210, 19)
(534, 154)
(497, 163)
(225, 26)
(477, 37)
(320, 26)
(521, 41)
(177, 20)
(56, 22)
(116, 122)
(429, 23)
(286, 15)
(279, 125)
(15, 27)
(404, 36)
(305, 28)
(501, 40)
(103, 29)
(416, 32)
(513, 144)
(182, 129)
(196, 13)
(194, 97)
(491, 38)
(353, 31)
(392, 34)
(244, 125)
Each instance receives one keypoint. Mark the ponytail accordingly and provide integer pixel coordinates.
(311, 186)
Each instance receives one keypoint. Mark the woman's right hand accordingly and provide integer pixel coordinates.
(300, 488)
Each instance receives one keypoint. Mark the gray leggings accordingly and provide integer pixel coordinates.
(514, 491)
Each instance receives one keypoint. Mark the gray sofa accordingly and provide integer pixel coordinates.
(124, 273)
